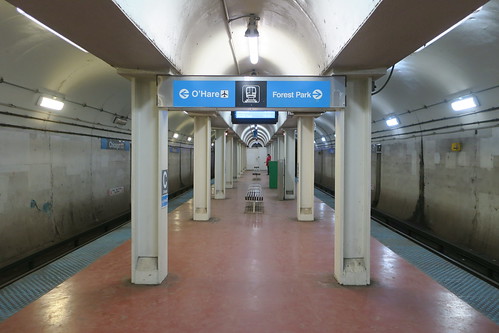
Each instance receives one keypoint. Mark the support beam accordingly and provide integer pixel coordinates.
(305, 188)
(149, 182)
(202, 164)
(281, 149)
(220, 164)
(280, 158)
(289, 173)
(229, 165)
(353, 185)
(239, 160)
(234, 161)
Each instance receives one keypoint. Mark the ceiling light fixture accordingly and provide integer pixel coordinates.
(175, 135)
(189, 139)
(464, 103)
(20, 11)
(50, 103)
(252, 34)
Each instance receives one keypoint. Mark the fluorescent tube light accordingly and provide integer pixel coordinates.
(253, 49)
(51, 103)
(20, 11)
(464, 103)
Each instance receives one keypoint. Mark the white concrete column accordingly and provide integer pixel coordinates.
(305, 165)
(289, 173)
(241, 166)
(229, 163)
(220, 164)
(202, 164)
(244, 157)
(238, 166)
(235, 173)
(353, 185)
(149, 195)
(281, 150)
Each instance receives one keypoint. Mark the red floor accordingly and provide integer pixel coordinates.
(250, 273)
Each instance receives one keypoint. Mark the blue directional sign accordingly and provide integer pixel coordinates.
(203, 94)
(251, 93)
(298, 94)
(164, 188)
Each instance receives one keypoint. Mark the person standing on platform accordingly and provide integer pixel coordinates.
(269, 158)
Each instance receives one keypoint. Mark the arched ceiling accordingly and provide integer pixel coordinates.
(194, 37)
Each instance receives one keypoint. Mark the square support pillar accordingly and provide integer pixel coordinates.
(289, 173)
(149, 195)
(234, 161)
(281, 155)
(240, 159)
(305, 165)
(202, 165)
(220, 164)
(244, 152)
(353, 185)
(229, 163)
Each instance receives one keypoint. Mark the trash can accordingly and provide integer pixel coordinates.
(273, 174)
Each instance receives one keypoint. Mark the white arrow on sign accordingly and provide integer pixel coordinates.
(317, 94)
(183, 93)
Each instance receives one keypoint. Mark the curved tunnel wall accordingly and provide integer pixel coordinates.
(55, 186)
(455, 194)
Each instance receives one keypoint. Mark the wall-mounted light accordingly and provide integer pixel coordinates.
(50, 103)
(252, 35)
(20, 11)
(120, 121)
(392, 121)
(175, 135)
(464, 103)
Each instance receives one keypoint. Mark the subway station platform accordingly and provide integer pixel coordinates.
(250, 272)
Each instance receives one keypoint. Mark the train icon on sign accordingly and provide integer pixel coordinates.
(251, 93)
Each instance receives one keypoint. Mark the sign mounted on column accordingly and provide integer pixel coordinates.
(281, 93)
(164, 188)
